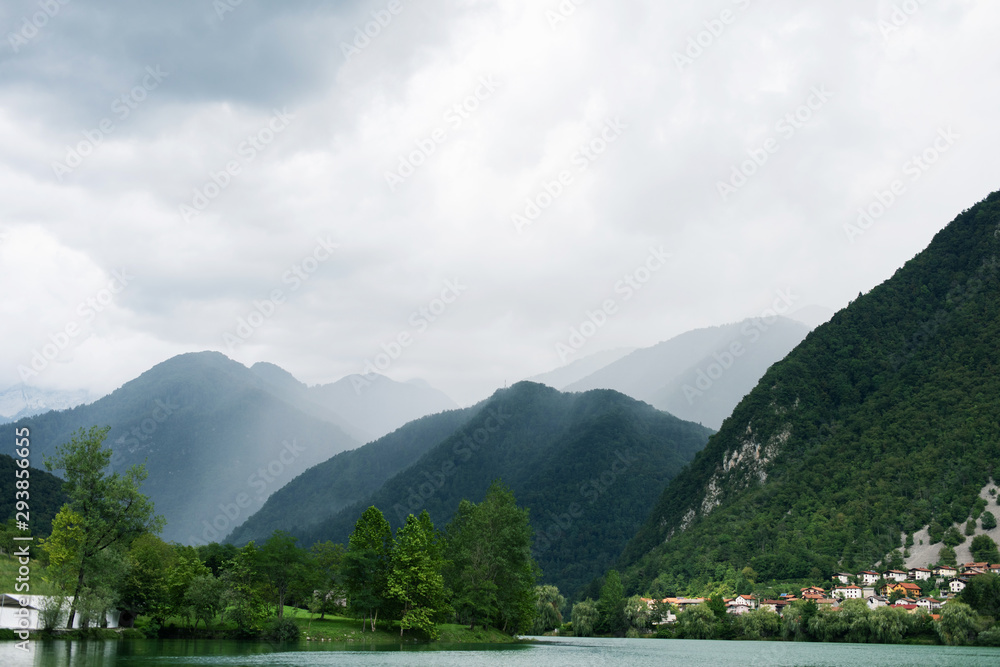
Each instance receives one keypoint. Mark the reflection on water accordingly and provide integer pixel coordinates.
(550, 652)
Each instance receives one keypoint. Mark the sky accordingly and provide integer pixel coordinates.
(467, 192)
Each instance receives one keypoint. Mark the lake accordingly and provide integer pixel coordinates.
(549, 652)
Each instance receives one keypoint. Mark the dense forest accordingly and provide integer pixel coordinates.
(881, 423)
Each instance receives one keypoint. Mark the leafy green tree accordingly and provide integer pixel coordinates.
(952, 537)
(638, 615)
(105, 510)
(970, 527)
(946, 556)
(935, 532)
(958, 625)
(245, 602)
(982, 593)
(987, 520)
(366, 566)
(415, 580)
(611, 605)
(697, 622)
(585, 618)
(326, 560)
(548, 605)
(205, 597)
(186, 567)
(491, 571)
(144, 588)
(281, 562)
(984, 549)
(758, 624)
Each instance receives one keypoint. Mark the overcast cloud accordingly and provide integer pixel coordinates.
(181, 164)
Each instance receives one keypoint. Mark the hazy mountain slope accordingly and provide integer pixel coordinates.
(45, 498)
(215, 440)
(702, 374)
(883, 420)
(581, 368)
(326, 488)
(588, 465)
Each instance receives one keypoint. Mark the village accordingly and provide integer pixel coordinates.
(916, 589)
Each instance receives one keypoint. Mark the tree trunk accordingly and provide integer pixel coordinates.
(374, 618)
(76, 596)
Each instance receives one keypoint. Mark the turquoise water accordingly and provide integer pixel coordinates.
(550, 652)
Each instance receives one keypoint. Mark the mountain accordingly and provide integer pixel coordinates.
(581, 368)
(882, 423)
(22, 401)
(366, 407)
(45, 499)
(215, 438)
(347, 478)
(702, 374)
(587, 465)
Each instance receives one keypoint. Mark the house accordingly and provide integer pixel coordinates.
(902, 602)
(920, 573)
(868, 577)
(827, 603)
(24, 612)
(748, 601)
(995, 569)
(777, 606)
(928, 604)
(867, 591)
(946, 571)
(904, 588)
(813, 590)
(956, 585)
(965, 567)
(848, 592)
(895, 575)
(908, 607)
(876, 601)
(842, 577)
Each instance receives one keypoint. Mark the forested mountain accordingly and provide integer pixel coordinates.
(45, 495)
(589, 466)
(702, 374)
(215, 439)
(881, 422)
(347, 478)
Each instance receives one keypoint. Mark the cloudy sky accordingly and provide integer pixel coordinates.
(307, 182)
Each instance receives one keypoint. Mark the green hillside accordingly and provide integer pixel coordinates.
(326, 488)
(882, 421)
(45, 499)
(588, 466)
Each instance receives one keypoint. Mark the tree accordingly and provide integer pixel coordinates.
(970, 527)
(415, 580)
(952, 537)
(104, 510)
(987, 520)
(946, 556)
(205, 598)
(982, 593)
(611, 605)
(243, 599)
(697, 622)
(366, 565)
(638, 615)
(326, 560)
(959, 624)
(548, 603)
(144, 588)
(491, 570)
(984, 549)
(186, 567)
(585, 618)
(281, 562)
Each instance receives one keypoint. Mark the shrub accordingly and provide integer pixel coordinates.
(282, 630)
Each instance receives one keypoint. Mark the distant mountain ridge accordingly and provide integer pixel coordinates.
(22, 401)
(701, 374)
